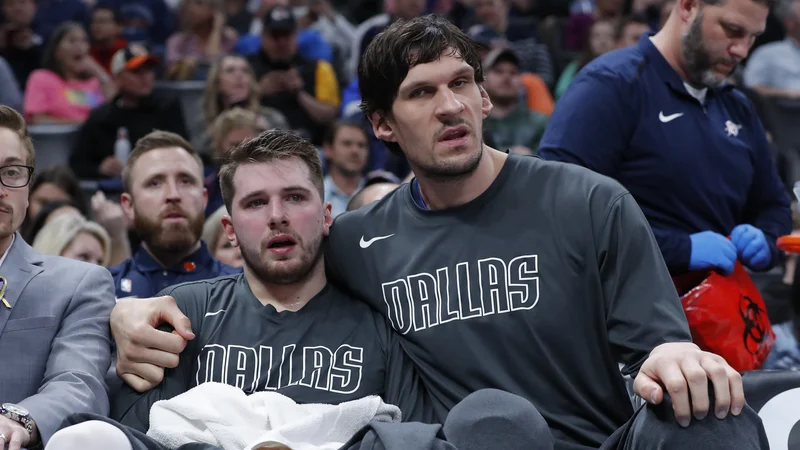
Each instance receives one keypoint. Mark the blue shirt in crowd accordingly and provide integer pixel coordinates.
(694, 160)
(142, 276)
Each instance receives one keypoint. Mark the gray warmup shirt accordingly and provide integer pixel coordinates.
(333, 350)
(541, 286)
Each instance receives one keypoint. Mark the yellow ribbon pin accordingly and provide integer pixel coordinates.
(3, 285)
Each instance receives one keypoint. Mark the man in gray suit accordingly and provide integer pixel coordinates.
(55, 346)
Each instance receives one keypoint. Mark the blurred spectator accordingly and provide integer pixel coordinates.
(232, 83)
(74, 237)
(111, 217)
(666, 10)
(146, 21)
(70, 83)
(238, 16)
(164, 198)
(305, 91)
(204, 37)
(629, 30)
(346, 151)
(511, 123)
(55, 184)
(106, 29)
(370, 194)
(367, 30)
(228, 130)
(333, 27)
(47, 213)
(218, 244)
(50, 14)
(135, 109)
(601, 41)
(497, 29)
(578, 30)
(774, 68)
(10, 94)
(19, 43)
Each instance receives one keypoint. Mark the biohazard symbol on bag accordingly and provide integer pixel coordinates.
(755, 323)
(727, 316)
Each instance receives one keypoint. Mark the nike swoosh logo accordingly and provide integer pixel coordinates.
(366, 244)
(669, 118)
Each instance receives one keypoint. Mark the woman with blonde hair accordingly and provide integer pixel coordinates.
(72, 236)
(231, 84)
(218, 244)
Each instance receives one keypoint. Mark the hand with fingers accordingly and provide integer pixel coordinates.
(683, 371)
(142, 350)
(13, 435)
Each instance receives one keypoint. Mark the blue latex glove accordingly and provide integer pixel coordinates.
(712, 251)
(751, 246)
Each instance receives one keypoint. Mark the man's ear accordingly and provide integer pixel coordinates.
(126, 201)
(687, 9)
(486, 102)
(327, 219)
(230, 232)
(381, 127)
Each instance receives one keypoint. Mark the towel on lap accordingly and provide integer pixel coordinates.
(223, 415)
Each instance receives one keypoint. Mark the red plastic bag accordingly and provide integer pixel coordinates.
(727, 316)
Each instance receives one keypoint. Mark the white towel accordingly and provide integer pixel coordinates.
(223, 415)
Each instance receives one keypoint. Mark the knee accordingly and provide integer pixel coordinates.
(491, 418)
(89, 435)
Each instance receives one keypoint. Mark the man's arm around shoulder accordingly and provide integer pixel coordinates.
(79, 356)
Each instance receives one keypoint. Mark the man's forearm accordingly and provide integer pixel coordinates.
(321, 113)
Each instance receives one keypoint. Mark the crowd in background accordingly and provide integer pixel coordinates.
(292, 64)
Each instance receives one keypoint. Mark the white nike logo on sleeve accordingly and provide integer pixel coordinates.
(669, 118)
(366, 244)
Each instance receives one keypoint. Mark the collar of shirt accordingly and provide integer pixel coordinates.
(3, 258)
(331, 190)
(198, 260)
(668, 74)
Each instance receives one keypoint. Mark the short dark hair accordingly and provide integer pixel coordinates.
(65, 179)
(267, 147)
(333, 130)
(108, 6)
(403, 45)
(12, 120)
(769, 3)
(153, 141)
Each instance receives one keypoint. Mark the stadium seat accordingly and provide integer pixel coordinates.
(775, 396)
(190, 94)
(53, 144)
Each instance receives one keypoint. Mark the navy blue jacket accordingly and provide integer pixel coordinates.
(691, 166)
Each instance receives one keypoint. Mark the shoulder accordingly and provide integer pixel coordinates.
(72, 273)
(202, 293)
(44, 76)
(222, 269)
(568, 184)
(122, 268)
(354, 223)
(622, 66)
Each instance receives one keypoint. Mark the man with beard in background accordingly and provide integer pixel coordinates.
(165, 200)
(662, 119)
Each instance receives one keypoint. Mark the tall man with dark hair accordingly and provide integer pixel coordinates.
(505, 271)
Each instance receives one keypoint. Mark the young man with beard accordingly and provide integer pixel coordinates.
(165, 200)
(504, 271)
(661, 119)
(279, 326)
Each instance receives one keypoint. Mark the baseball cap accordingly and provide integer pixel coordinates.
(499, 55)
(279, 18)
(131, 57)
(483, 34)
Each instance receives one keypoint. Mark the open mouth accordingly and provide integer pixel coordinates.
(281, 243)
(455, 133)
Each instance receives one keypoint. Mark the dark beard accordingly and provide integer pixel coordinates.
(164, 239)
(696, 57)
(283, 276)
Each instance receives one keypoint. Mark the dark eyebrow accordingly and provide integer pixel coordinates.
(464, 71)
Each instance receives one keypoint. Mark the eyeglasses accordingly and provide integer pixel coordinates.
(15, 175)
